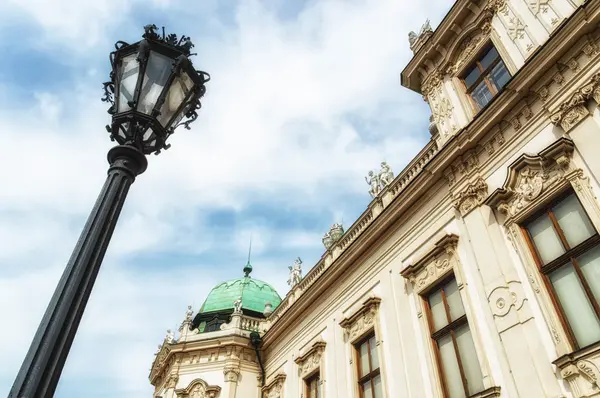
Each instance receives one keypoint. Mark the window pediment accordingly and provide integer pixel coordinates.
(530, 179)
(434, 265)
(311, 359)
(275, 388)
(198, 388)
(363, 320)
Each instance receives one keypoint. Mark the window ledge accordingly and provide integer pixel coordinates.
(492, 392)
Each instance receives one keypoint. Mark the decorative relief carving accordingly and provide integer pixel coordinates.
(172, 381)
(516, 29)
(198, 389)
(580, 370)
(503, 299)
(466, 49)
(363, 321)
(435, 265)
(545, 12)
(530, 176)
(574, 110)
(231, 373)
(471, 197)
(275, 388)
(311, 360)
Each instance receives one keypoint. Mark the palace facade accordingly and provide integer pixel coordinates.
(475, 272)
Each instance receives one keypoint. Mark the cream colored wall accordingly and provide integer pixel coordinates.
(515, 346)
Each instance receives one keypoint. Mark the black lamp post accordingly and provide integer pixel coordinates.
(153, 87)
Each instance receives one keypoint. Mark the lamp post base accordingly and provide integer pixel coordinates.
(43, 364)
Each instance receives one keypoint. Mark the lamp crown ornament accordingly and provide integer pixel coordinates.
(153, 89)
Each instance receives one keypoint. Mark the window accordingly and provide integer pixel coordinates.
(566, 247)
(313, 386)
(485, 78)
(455, 351)
(369, 377)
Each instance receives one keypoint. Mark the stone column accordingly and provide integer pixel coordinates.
(232, 375)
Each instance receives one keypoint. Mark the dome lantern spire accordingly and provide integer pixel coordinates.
(248, 267)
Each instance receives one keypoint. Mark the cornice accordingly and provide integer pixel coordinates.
(168, 352)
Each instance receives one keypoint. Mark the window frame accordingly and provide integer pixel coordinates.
(372, 373)
(316, 377)
(569, 256)
(449, 329)
(484, 75)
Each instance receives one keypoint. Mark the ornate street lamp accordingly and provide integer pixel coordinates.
(153, 87)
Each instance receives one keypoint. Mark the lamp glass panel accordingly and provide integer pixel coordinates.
(128, 76)
(157, 73)
(178, 92)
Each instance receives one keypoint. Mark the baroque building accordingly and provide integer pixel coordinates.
(475, 272)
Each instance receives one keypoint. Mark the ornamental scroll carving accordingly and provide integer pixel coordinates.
(231, 373)
(575, 110)
(471, 197)
(311, 359)
(435, 265)
(275, 388)
(198, 388)
(363, 321)
(530, 178)
(581, 371)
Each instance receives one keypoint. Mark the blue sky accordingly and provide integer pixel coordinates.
(304, 100)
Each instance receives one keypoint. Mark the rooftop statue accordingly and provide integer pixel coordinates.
(373, 180)
(295, 273)
(237, 306)
(335, 233)
(378, 181)
(416, 40)
(170, 337)
(386, 175)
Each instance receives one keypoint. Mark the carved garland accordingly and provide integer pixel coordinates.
(310, 361)
(435, 265)
(275, 388)
(574, 110)
(363, 321)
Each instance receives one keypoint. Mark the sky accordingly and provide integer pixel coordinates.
(305, 99)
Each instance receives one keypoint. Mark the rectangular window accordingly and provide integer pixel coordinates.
(485, 78)
(313, 386)
(566, 248)
(455, 350)
(369, 377)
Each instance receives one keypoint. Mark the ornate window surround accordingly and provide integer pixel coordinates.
(198, 385)
(356, 327)
(472, 41)
(425, 274)
(533, 181)
(311, 362)
(274, 389)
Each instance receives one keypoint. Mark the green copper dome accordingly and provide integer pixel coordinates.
(254, 294)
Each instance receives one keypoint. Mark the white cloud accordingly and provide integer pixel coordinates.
(275, 128)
